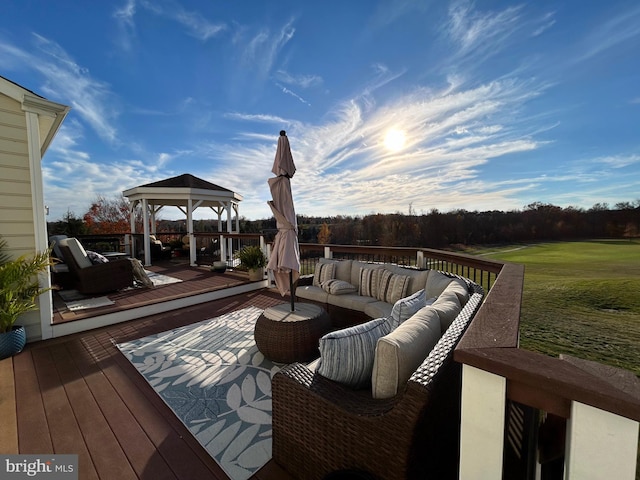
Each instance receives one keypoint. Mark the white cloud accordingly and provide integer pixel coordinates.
(612, 33)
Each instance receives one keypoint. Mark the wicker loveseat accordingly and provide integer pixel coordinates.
(89, 278)
(321, 426)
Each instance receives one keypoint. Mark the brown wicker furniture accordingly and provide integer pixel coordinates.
(91, 278)
(320, 426)
(284, 336)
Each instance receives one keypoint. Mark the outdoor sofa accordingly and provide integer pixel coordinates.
(404, 421)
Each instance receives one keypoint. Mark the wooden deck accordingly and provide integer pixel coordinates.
(78, 393)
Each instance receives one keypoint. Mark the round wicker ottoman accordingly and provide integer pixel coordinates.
(284, 336)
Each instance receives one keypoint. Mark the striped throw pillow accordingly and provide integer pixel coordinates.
(347, 355)
(406, 307)
(369, 280)
(392, 287)
(338, 287)
(323, 272)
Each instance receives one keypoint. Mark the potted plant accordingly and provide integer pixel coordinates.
(254, 260)
(19, 289)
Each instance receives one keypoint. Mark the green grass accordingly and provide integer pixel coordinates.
(581, 299)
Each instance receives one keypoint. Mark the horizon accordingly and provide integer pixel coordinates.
(388, 106)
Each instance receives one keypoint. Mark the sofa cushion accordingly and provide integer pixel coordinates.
(369, 281)
(322, 273)
(418, 277)
(401, 352)
(436, 283)
(378, 309)
(309, 292)
(342, 268)
(392, 287)
(338, 287)
(352, 301)
(448, 307)
(460, 288)
(346, 356)
(404, 308)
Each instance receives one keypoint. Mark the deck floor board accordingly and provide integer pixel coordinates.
(79, 394)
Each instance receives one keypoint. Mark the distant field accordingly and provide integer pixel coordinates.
(580, 298)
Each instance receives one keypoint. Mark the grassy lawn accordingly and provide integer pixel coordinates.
(580, 298)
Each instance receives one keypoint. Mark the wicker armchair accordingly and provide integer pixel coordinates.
(320, 426)
(99, 278)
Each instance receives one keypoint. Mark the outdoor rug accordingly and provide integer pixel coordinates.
(214, 378)
(75, 301)
(158, 279)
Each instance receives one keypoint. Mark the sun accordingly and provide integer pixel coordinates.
(394, 140)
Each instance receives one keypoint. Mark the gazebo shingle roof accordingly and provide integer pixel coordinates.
(186, 180)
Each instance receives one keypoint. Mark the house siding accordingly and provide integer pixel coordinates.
(16, 206)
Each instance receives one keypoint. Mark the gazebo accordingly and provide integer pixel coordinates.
(186, 192)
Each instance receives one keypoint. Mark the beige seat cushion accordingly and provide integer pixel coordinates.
(401, 352)
(459, 287)
(448, 307)
(78, 252)
(436, 283)
(310, 292)
(351, 301)
(378, 309)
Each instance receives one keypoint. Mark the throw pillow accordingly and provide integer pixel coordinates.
(96, 258)
(338, 287)
(369, 280)
(322, 273)
(404, 308)
(346, 356)
(392, 287)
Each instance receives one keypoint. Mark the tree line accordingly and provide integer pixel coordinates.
(535, 222)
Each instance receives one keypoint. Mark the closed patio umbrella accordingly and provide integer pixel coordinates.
(285, 257)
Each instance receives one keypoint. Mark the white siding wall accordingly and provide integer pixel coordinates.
(16, 210)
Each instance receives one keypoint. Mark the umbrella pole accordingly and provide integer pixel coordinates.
(291, 293)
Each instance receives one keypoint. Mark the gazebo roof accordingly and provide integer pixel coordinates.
(177, 191)
(186, 180)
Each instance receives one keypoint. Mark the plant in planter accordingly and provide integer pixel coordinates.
(254, 260)
(19, 289)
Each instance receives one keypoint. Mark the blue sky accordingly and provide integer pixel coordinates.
(500, 104)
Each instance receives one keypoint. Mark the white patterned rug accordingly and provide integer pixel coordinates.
(158, 279)
(214, 378)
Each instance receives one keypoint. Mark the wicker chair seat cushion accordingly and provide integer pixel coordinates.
(78, 252)
(347, 355)
(448, 307)
(401, 352)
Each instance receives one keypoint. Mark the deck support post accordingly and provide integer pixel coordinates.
(482, 424)
(600, 444)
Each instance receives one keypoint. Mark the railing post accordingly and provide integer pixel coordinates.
(482, 424)
(327, 252)
(420, 260)
(600, 444)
